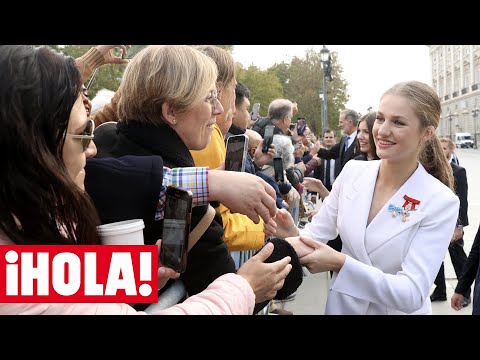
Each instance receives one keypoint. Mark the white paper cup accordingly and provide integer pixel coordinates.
(128, 232)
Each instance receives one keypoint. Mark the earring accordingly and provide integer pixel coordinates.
(174, 122)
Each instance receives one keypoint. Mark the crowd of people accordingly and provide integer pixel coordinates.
(385, 222)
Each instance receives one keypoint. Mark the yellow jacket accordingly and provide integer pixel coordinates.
(239, 232)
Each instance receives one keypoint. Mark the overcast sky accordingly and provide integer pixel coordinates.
(369, 69)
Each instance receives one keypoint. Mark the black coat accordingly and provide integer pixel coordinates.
(461, 189)
(209, 258)
(471, 272)
(338, 153)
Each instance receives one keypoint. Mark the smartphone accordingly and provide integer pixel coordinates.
(255, 111)
(301, 126)
(267, 138)
(176, 228)
(237, 147)
(278, 169)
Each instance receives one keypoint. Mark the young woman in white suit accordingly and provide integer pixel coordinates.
(396, 216)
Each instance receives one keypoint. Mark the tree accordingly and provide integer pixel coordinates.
(304, 84)
(281, 71)
(264, 86)
(229, 48)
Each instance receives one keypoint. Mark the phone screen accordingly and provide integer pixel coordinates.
(176, 229)
(278, 169)
(255, 111)
(236, 151)
(301, 126)
(267, 138)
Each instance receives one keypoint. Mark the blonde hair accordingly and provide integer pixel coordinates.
(224, 61)
(426, 105)
(175, 74)
(449, 141)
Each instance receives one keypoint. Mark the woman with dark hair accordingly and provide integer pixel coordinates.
(48, 137)
(365, 143)
(41, 112)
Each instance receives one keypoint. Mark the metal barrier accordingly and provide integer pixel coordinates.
(170, 297)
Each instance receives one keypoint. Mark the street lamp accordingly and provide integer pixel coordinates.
(475, 114)
(450, 117)
(326, 66)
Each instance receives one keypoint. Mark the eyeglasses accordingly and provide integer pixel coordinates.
(212, 98)
(87, 135)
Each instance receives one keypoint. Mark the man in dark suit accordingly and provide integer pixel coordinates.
(455, 249)
(342, 152)
(471, 272)
(327, 165)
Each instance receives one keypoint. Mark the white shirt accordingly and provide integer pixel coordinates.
(351, 139)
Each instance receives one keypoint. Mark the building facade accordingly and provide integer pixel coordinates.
(456, 78)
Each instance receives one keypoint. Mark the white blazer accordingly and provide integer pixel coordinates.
(391, 265)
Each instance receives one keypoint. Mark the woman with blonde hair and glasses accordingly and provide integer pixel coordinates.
(168, 106)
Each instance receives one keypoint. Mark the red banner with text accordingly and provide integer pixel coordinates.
(78, 274)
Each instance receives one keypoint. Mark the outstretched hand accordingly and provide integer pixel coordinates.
(265, 279)
(252, 197)
(284, 225)
(109, 56)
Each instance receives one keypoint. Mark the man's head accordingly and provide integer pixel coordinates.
(448, 147)
(254, 140)
(328, 138)
(242, 117)
(280, 111)
(225, 83)
(347, 121)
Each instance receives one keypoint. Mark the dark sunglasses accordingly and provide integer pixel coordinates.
(87, 135)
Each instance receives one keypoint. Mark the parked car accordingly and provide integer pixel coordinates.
(464, 140)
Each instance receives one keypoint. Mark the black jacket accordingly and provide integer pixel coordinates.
(260, 125)
(461, 189)
(209, 258)
(338, 153)
(471, 272)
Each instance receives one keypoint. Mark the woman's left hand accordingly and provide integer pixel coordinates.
(164, 273)
(323, 258)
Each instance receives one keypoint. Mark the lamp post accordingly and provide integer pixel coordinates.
(475, 114)
(450, 117)
(325, 58)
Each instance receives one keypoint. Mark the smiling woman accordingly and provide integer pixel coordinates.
(395, 216)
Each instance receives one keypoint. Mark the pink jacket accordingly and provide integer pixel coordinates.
(230, 294)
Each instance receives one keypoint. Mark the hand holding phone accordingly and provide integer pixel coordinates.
(301, 126)
(176, 229)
